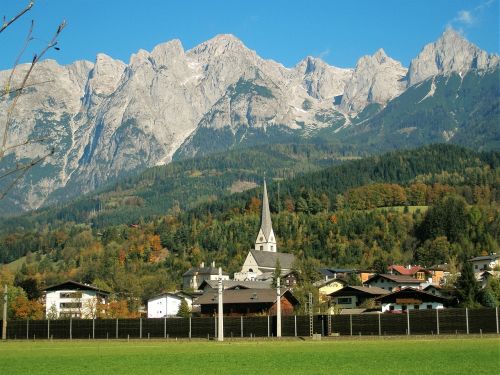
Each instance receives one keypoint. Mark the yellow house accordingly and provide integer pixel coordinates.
(326, 287)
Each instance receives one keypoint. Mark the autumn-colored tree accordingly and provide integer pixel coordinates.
(24, 308)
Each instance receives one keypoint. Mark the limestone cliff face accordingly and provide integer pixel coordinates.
(450, 53)
(376, 79)
(109, 118)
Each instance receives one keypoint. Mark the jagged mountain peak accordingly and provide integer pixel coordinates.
(450, 53)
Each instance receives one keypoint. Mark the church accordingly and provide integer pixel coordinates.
(261, 261)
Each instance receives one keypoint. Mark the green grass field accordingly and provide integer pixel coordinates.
(334, 356)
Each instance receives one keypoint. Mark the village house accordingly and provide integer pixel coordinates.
(194, 277)
(71, 299)
(167, 304)
(439, 273)
(351, 297)
(247, 302)
(410, 299)
(234, 284)
(393, 282)
(326, 287)
(417, 272)
(485, 263)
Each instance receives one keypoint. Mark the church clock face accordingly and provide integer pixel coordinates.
(261, 239)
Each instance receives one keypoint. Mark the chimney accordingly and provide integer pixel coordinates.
(202, 265)
(213, 264)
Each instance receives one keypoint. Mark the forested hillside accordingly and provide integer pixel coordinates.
(432, 205)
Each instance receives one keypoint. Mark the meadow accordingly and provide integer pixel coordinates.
(451, 355)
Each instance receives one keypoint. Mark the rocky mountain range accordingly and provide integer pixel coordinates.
(107, 119)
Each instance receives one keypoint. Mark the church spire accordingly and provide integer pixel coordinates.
(265, 239)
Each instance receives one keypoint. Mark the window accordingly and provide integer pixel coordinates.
(344, 300)
(391, 308)
(404, 307)
(416, 307)
(261, 239)
(70, 305)
(70, 295)
(390, 289)
(476, 266)
(262, 247)
(429, 307)
(272, 248)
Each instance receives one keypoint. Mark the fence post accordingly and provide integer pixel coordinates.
(140, 328)
(467, 319)
(116, 333)
(295, 316)
(437, 321)
(48, 329)
(70, 328)
(241, 325)
(268, 328)
(165, 327)
(496, 314)
(408, 319)
(93, 329)
(379, 326)
(350, 322)
(190, 328)
(27, 329)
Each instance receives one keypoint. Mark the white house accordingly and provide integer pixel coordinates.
(264, 257)
(73, 300)
(194, 277)
(484, 263)
(167, 304)
(393, 282)
(410, 299)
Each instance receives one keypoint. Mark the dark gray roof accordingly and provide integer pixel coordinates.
(244, 296)
(268, 259)
(411, 293)
(491, 257)
(232, 284)
(203, 271)
(357, 290)
(265, 221)
(73, 285)
(395, 278)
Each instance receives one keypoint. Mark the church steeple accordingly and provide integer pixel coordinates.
(266, 241)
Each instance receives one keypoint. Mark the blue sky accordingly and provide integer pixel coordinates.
(340, 32)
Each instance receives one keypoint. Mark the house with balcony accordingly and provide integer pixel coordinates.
(72, 299)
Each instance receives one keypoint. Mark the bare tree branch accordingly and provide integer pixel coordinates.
(25, 86)
(23, 169)
(29, 38)
(8, 23)
(36, 58)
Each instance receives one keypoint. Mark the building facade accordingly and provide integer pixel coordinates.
(74, 300)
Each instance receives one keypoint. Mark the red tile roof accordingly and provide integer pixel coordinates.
(402, 270)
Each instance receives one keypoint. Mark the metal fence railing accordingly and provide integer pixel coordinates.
(413, 322)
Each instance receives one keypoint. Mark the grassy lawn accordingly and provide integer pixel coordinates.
(338, 356)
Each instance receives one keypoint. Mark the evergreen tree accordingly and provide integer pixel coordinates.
(467, 287)
(184, 310)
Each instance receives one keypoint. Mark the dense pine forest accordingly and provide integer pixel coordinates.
(433, 205)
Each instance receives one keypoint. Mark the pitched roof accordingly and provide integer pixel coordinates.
(411, 293)
(402, 270)
(232, 284)
(74, 285)
(203, 271)
(322, 283)
(265, 221)
(395, 278)
(268, 259)
(230, 296)
(491, 257)
(359, 290)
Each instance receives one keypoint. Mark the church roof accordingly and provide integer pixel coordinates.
(265, 222)
(203, 271)
(268, 259)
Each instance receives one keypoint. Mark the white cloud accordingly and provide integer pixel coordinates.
(466, 17)
(324, 53)
(470, 17)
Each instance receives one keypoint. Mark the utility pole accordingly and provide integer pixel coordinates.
(278, 308)
(4, 320)
(220, 327)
